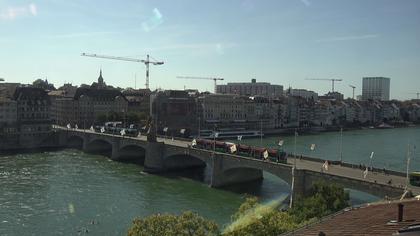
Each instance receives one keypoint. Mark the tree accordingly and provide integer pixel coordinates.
(115, 116)
(133, 118)
(43, 84)
(252, 217)
(186, 224)
(323, 199)
(101, 118)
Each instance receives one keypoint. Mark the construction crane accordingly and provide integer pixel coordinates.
(146, 62)
(332, 81)
(353, 87)
(418, 94)
(207, 78)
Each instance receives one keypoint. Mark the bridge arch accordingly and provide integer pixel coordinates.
(187, 166)
(183, 161)
(75, 141)
(99, 146)
(131, 153)
(245, 173)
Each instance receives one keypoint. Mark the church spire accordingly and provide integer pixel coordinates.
(100, 79)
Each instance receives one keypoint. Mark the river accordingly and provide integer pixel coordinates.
(389, 146)
(69, 192)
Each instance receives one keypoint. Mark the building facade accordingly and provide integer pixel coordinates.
(251, 89)
(376, 88)
(174, 112)
(307, 94)
(86, 106)
(8, 111)
(33, 116)
(138, 100)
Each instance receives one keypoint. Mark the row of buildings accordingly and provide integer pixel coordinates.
(27, 112)
(83, 106)
(205, 111)
(373, 88)
(241, 106)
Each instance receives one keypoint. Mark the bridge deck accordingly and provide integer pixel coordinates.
(303, 164)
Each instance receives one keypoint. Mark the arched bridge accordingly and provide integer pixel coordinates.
(224, 169)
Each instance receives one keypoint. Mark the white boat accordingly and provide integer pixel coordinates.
(385, 126)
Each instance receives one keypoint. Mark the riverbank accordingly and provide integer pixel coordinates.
(16, 151)
(388, 145)
(318, 130)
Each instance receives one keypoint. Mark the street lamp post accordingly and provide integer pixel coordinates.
(214, 140)
(408, 167)
(341, 145)
(261, 133)
(293, 172)
(199, 126)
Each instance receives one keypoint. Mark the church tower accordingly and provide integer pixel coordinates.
(101, 83)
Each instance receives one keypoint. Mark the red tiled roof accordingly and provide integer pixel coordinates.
(370, 219)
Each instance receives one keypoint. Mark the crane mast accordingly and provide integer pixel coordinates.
(146, 62)
(206, 78)
(332, 82)
(418, 94)
(353, 87)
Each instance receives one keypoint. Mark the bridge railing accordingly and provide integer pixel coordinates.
(313, 159)
(350, 165)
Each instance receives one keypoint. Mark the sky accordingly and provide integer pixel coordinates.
(278, 41)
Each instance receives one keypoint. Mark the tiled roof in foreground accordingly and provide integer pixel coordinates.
(371, 219)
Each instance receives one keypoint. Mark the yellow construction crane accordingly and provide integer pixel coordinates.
(332, 81)
(146, 62)
(207, 78)
(353, 87)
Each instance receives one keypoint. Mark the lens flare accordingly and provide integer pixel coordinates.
(254, 214)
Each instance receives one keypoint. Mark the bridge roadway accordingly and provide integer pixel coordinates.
(335, 173)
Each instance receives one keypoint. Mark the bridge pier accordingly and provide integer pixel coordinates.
(154, 160)
(115, 151)
(301, 186)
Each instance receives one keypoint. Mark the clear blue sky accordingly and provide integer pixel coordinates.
(278, 41)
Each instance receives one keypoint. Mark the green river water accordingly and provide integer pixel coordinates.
(69, 192)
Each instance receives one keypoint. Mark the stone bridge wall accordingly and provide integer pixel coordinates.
(220, 169)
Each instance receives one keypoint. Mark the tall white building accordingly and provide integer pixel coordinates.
(376, 88)
(251, 89)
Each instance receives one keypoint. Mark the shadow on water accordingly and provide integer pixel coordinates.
(193, 173)
(268, 188)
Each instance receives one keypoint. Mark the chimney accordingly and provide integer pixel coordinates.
(400, 212)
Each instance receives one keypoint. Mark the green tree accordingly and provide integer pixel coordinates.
(323, 199)
(101, 118)
(186, 224)
(115, 116)
(133, 118)
(43, 84)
